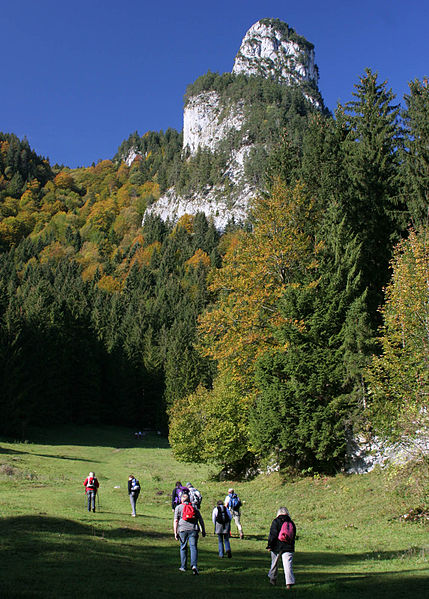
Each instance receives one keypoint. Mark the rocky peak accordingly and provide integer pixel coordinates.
(219, 118)
(274, 50)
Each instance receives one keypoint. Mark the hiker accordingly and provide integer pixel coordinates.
(233, 503)
(281, 543)
(176, 495)
(194, 496)
(133, 492)
(91, 485)
(186, 525)
(221, 517)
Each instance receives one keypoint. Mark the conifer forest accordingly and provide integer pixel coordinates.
(274, 339)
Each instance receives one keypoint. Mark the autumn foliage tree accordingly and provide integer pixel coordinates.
(257, 268)
(399, 378)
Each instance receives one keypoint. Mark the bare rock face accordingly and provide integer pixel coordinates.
(204, 125)
(270, 50)
(273, 50)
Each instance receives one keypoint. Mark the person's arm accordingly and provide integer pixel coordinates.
(272, 537)
(173, 497)
(176, 522)
(214, 514)
(201, 521)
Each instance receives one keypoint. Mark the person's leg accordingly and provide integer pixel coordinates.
(193, 546)
(227, 544)
(272, 574)
(184, 538)
(287, 559)
(220, 542)
(236, 516)
(133, 504)
(93, 500)
(88, 499)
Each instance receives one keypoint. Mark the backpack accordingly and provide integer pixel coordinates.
(286, 532)
(135, 485)
(222, 515)
(234, 502)
(90, 484)
(188, 512)
(195, 497)
(177, 494)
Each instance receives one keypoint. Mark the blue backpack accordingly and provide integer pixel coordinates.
(234, 501)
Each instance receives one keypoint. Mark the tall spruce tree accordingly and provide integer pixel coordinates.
(415, 163)
(372, 205)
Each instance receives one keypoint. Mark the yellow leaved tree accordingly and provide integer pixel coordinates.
(257, 268)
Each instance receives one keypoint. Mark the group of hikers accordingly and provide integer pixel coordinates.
(188, 523)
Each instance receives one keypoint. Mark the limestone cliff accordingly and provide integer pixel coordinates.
(224, 114)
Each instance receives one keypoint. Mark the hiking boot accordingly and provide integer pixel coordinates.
(229, 554)
(241, 535)
(273, 581)
(194, 571)
(93, 510)
(182, 569)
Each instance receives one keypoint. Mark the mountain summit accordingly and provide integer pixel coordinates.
(273, 50)
(232, 121)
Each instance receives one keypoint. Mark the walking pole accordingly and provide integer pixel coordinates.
(98, 500)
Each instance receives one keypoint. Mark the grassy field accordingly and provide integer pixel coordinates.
(350, 540)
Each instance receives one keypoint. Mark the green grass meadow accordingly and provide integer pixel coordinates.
(350, 543)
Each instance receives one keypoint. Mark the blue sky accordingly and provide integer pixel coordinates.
(79, 77)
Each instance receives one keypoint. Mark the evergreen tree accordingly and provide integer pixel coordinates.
(415, 162)
(372, 204)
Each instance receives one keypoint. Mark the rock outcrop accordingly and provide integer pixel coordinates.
(270, 50)
(273, 50)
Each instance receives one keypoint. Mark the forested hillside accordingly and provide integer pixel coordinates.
(260, 343)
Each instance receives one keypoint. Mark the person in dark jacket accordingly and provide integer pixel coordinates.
(282, 549)
(133, 492)
(176, 494)
(221, 517)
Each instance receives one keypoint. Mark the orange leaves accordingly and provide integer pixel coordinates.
(200, 257)
(257, 269)
(109, 284)
(64, 180)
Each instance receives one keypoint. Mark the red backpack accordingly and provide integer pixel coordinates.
(188, 512)
(286, 532)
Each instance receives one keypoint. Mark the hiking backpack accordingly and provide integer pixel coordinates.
(234, 502)
(222, 515)
(135, 485)
(188, 513)
(90, 485)
(195, 497)
(286, 532)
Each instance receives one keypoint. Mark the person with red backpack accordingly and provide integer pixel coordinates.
(281, 543)
(91, 485)
(186, 525)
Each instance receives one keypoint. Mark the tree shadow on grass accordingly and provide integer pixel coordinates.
(95, 436)
(8, 450)
(51, 557)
